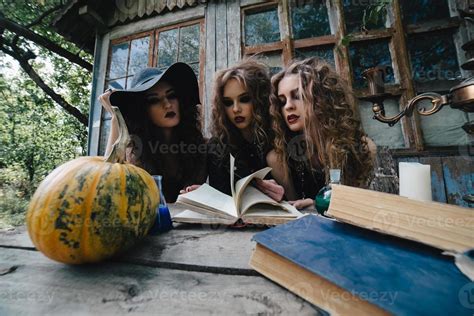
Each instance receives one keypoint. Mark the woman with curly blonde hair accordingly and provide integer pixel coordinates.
(315, 130)
(240, 113)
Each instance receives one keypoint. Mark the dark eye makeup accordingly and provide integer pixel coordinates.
(152, 100)
(245, 99)
(227, 102)
(172, 95)
(281, 102)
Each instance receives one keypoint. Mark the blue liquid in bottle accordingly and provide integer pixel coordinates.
(163, 221)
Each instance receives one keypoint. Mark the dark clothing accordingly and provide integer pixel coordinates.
(247, 161)
(176, 170)
(306, 183)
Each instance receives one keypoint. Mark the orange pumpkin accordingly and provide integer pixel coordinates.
(90, 208)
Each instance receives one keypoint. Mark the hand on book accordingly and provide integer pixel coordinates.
(299, 204)
(270, 188)
(189, 189)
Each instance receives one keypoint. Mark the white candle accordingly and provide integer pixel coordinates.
(415, 180)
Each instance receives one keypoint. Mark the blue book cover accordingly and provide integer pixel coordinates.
(400, 276)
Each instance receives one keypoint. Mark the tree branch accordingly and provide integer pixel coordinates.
(45, 14)
(50, 92)
(46, 43)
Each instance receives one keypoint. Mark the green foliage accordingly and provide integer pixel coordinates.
(374, 13)
(36, 135)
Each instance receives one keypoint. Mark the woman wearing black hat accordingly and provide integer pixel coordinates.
(161, 112)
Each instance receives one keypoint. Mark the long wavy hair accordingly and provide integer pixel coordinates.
(332, 133)
(255, 79)
(147, 137)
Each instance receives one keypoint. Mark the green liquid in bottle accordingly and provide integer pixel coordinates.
(323, 198)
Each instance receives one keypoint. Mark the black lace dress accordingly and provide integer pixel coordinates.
(306, 183)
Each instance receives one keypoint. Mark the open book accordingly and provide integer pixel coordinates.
(207, 205)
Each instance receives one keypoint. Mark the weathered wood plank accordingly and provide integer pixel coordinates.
(39, 286)
(16, 238)
(162, 20)
(160, 5)
(141, 8)
(217, 248)
(233, 32)
(210, 64)
(171, 4)
(181, 3)
(221, 35)
(208, 247)
(150, 7)
(98, 81)
(438, 188)
(459, 178)
(223, 248)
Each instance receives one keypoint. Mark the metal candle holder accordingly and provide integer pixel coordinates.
(459, 97)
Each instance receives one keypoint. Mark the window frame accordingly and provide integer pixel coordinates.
(153, 35)
(405, 87)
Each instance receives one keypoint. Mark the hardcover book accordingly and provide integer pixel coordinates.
(348, 270)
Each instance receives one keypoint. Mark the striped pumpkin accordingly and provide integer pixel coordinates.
(90, 208)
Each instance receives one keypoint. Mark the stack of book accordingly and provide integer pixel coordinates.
(379, 254)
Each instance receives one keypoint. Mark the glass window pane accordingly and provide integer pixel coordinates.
(356, 13)
(365, 55)
(262, 27)
(189, 44)
(433, 57)
(118, 63)
(310, 20)
(167, 48)
(418, 11)
(381, 133)
(195, 67)
(138, 55)
(444, 127)
(323, 52)
(273, 61)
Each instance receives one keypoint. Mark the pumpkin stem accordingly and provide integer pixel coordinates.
(117, 154)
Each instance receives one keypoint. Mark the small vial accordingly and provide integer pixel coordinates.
(323, 198)
(163, 221)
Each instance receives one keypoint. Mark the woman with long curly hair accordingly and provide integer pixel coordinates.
(315, 130)
(162, 115)
(240, 114)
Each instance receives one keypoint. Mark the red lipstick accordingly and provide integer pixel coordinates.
(292, 118)
(239, 119)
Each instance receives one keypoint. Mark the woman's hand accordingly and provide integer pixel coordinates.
(104, 99)
(270, 188)
(299, 204)
(189, 189)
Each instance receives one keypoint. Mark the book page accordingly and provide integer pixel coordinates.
(252, 196)
(243, 183)
(209, 198)
(283, 209)
(188, 216)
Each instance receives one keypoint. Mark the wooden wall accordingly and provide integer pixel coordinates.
(452, 176)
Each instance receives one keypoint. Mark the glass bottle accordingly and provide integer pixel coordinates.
(163, 221)
(321, 202)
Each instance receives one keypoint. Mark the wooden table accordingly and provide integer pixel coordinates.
(198, 269)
